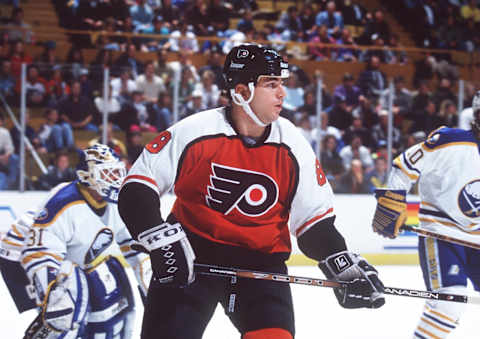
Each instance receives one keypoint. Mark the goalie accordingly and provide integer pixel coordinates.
(447, 169)
(67, 250)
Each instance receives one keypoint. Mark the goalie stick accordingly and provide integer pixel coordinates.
(442, 237)
(292, 279)
(38, 330)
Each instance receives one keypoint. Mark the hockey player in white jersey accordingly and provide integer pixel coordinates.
(81, 287)
(447, 169)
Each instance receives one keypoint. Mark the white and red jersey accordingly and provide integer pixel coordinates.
(447, 169)
(232, 192)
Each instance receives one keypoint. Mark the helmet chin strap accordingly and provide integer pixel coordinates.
(238, 99)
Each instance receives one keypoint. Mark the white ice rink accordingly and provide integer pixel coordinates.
(317, 312)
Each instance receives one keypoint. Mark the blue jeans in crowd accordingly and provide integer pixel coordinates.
(61, 137)
(8, 179)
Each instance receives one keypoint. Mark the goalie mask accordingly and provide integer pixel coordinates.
(476, 115)
(101, 170)
(244, 65)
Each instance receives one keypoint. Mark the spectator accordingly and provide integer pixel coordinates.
(9, 162)
(165, 114)
(340, 116)
(380, 132)
(377, 26)
(325, 130)
(289, 23)
(186, 87)
(246, 24)
(183, 39)
(402, 97)
(380, 50)
(344, 54)
(428, 120)
(330, 159)
(444, 92)
(348, 90)
(55, 135)
(396, 56)
(353, 13)
(161, 67)
(358, 128)
(372, 81)
(420, 100)
(59, 172)
(17, 29)
(332, 19)
(137, 115)
(316, 48)
(305, 127)
(151, 85)
(77, 110)
(197, 16)
(142, 16)
(293, 94)
(470, 10)
(448, 113)
(128, 59)
(57, 87)
(309, 106)
(18, 56)
(169, 12)
(377, 178)
(354, 180)
(48, 59)
(7, 81)
(193, 105)
(215, 65)
(36, 88)
(112, 142)
(210, 91)
(219, 14)
(123, 86)
(134, 145)
(30, 133)
(356, 150)
(111, 107)
(307, 19)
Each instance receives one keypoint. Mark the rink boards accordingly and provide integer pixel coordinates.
(354, 215)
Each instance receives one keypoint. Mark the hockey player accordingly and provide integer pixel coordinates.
(447, 169)
(241, 175)
(69, 255)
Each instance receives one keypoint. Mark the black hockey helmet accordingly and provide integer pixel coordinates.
(476, 114)
(245, 63)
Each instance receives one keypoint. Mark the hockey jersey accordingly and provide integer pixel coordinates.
(447, 169)
(73, 226)
(233, 192)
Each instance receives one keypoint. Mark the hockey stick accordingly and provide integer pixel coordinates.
(442, 237)
(292, 279)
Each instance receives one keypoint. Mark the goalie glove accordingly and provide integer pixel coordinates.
(171, 254)
(362, 286)
(391, 212)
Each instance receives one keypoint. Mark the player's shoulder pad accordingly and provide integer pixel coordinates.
(61, 200)
(444, 136)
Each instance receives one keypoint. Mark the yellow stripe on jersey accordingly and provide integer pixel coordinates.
(432, 263)
(77, 202)
(425, 320)
(440, 315)
(39, 255)
(17, 232)
(450, 224)
(12, 243)
(455, 143)
(430, 334)
(398, 162)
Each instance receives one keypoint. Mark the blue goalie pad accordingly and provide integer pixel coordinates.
(17, 284)
(111, 300)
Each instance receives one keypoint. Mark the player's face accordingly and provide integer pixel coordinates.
(268, 99)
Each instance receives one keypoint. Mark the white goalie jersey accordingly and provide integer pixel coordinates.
(447, 169)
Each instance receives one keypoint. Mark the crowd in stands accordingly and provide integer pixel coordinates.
(353, 129)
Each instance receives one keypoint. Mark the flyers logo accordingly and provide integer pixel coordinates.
(251, 193)
(242, 53)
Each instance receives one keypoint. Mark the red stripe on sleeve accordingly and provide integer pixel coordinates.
(311, 221)
(140, 177)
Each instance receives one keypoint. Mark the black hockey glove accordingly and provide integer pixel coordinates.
(171, 254)
(362, 288)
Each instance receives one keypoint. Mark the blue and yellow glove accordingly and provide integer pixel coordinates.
(391, 212)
